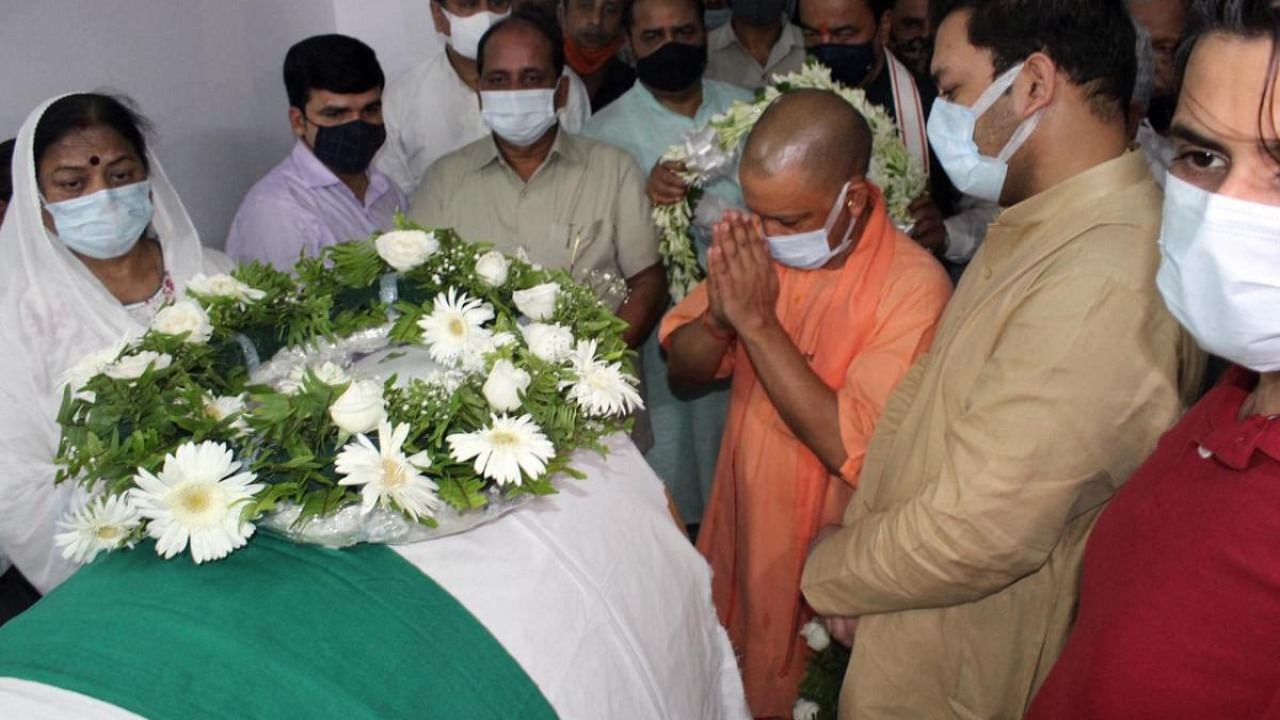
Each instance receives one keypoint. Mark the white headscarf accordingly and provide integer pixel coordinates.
(53, 312)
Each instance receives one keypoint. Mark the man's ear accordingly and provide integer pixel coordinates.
(859, 197)
(438, 19)
(562, 92)
(297, 122)
(1036, 86)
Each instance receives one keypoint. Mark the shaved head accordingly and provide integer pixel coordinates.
(812, 133)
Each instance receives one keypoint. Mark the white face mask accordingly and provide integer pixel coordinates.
(951, 129)
(520, 117)
(465, 32)
(811, 250)
(1220, 273)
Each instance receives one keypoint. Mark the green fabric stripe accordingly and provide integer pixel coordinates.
(276, 630)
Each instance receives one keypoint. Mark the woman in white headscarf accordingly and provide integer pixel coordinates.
(94, 241)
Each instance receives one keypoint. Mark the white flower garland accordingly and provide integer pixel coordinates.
(709, 153)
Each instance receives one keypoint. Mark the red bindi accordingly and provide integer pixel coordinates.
(94, 160)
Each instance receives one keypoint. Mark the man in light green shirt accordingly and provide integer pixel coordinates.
(671, 99)
(566, 201)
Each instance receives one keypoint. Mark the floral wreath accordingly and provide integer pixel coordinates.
(183, 435)
(710, 153)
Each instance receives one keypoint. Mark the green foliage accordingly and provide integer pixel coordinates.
(823, 678)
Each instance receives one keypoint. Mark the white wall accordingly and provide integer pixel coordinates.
(206, 72)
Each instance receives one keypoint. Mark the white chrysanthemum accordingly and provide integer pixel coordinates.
(504, 386)
(224, 286)
(552, 343)
(388, 476)
(224, 406)
(103, 524)
(601, 389)
(455, 327)
(492, 268)
(184, 317)
(196, 499)
(537, 302)
(406, 249)
(131, 367)
(328, 373)
(505, 448)
(89, 367)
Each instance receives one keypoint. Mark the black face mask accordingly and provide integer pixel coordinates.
(849, 64)
(673, 67)
(349, 148)
(1160, 112)
(916, 54)
(759, 13)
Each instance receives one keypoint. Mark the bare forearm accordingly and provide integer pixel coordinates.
(805, 403)
(646, 298)
(695, 355)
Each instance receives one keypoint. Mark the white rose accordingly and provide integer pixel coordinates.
(360, 409)
(89, 367)
(816, 635)
(184, 316)
(492, 268)
(406, 249)
(552, 343)
(538, 302)
(505, 385)
(805, 710)
(131, 367)
(223, 285)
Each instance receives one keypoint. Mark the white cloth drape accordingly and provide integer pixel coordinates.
(53, 312)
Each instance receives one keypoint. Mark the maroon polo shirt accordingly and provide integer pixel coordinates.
(1179, 611)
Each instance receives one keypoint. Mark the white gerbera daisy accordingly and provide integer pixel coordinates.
(103, 524)
(601, 389)
(508, 446)
(388, 476)
(455, 328)
(223, 285)
(89, 367)
(224, 406)
(195, 498)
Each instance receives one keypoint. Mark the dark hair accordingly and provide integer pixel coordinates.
(6, 173)
(1250, 19)
(628, 14)
(85, 110)
(337, 63)
(532, 17)
(1091, 40)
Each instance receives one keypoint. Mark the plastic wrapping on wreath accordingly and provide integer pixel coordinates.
(706, 157)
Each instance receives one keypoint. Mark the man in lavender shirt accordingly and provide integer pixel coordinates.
(324, 192)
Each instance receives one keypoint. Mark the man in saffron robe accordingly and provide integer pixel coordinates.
(816, 305)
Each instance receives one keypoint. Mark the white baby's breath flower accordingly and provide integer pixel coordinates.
(184, 316)
(196, 499)
(388, 476)
(89, 367)
(455, 328)
(504, 449)
(406, 249)
(550, 342)
(102, 524)
(360, 408)
(225, 406)
(538, 302)
(816, 636)
(131, 367)
(805, 710)
(492, 268)
(601, 389)
(504, 386)
(225, 286)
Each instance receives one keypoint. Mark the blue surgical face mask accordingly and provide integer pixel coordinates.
(951, 128)
(811, 250)
(105, 224)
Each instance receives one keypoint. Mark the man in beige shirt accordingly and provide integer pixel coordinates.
(564, 200)
(1052, 374)
(756, 44)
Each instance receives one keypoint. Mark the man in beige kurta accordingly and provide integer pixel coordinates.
(1052, 374)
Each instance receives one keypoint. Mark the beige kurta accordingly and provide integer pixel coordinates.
(1053, 372)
